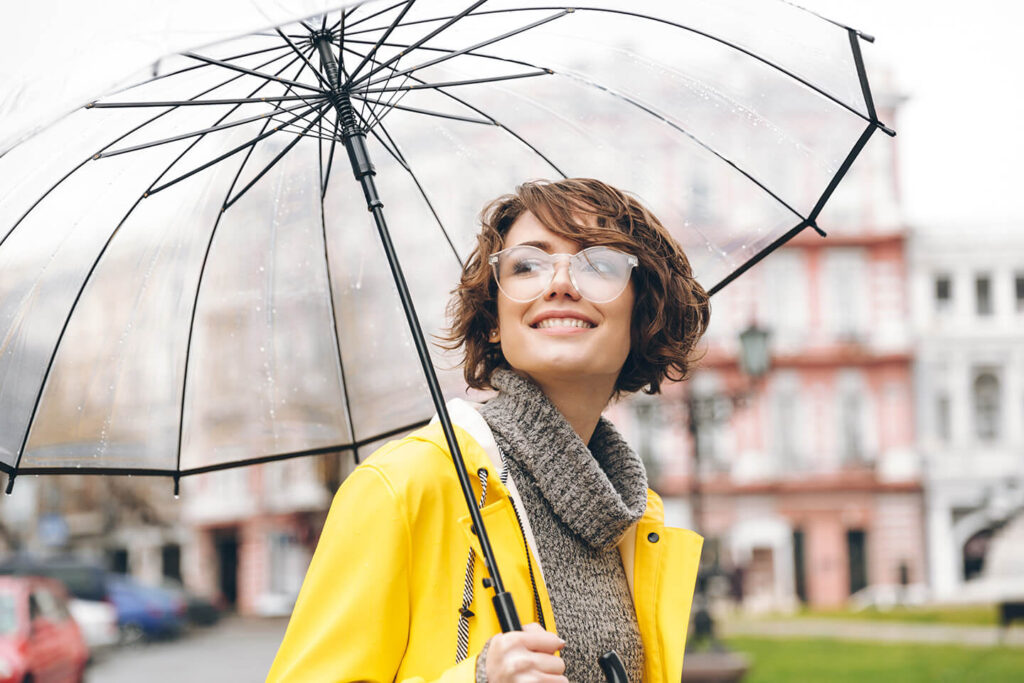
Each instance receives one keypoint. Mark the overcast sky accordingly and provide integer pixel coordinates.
(961, 133)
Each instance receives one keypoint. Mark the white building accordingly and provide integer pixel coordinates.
(968, 307)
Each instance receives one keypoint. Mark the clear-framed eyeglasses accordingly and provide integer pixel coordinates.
(599, 274)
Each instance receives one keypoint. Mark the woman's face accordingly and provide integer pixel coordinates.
(553, 351)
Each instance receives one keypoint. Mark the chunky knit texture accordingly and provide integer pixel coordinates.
(579, 502)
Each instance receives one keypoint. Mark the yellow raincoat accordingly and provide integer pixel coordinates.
(381, 598)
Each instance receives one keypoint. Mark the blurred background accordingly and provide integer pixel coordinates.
(851, 445)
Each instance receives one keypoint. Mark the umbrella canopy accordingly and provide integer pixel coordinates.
(189, 278)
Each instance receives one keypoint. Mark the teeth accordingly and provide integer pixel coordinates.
(562, 322)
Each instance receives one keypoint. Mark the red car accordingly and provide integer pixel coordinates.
(39, 641)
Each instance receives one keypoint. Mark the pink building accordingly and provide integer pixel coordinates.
(813, 487)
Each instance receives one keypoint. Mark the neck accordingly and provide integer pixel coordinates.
(579, 402)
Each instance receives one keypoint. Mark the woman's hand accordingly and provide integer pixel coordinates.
(527, 655)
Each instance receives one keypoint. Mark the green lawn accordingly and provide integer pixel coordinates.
(976, 615)
(805, 659)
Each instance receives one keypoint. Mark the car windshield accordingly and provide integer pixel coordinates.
(8, 618)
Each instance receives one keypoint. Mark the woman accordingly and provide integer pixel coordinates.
(574, 295)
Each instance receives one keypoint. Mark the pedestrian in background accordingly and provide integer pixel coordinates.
(574, 295)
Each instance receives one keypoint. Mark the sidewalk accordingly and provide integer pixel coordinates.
(888, 632)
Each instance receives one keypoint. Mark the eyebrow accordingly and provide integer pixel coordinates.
(540, 244)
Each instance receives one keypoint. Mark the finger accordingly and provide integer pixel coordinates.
(529, 666)
(533, 637)
(548, 664)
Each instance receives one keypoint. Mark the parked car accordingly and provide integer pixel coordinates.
(89, 602)
(201, 611)
(145, 612)
(39, 639)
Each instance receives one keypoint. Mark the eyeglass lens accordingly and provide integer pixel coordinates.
(599, 273)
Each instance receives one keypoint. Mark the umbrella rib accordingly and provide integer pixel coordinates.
(471, 81)
(251, 72)
(316, 72)
(232, 152)
(330, 161)
(485, 43)
(498, 58)
(203, 66)
(195, 301)
(495, 122)
(371, 16)
(341, 50)
(187, 102)
(672, 124)
(274, 161)
(297, 454)
(330, 298)
(419, 42)
(323, 450)
(839, 174)
(428, 112)
(419, 186)
(198, 103)
(204, 131)
(372, 53)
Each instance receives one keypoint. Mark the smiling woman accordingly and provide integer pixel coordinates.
(574, 294)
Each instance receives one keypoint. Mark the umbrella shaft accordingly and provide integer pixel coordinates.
(363, 170)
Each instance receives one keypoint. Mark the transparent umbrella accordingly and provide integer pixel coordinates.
(191, 279)
(189, 276)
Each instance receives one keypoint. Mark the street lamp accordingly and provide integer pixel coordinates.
(709, 409)
(755, 358)
(705, 410)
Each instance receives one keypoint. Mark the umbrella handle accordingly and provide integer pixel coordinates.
(505, 609)
(611, 665)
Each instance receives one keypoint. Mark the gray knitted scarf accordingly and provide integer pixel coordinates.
(580, 501)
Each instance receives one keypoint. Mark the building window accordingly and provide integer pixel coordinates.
(1018, 288)
(851, 415)
(986, 406)
(846, 309)
(943, 292)
(943, 416)
(983, 294)
(857, 556)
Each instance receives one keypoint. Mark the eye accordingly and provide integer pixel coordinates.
(600, 262)
(526, 265)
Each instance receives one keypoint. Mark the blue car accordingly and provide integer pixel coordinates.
(145, 612)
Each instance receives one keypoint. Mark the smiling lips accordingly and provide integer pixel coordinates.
(548, 323)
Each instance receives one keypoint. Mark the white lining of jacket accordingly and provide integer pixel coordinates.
(466, 415)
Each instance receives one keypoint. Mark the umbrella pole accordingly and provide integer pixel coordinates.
(362, 168)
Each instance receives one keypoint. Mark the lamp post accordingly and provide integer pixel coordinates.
(702, 411)
(754, 361)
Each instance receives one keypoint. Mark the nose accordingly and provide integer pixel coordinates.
(561, 283)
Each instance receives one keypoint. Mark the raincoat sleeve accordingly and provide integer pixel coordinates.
(351, 619)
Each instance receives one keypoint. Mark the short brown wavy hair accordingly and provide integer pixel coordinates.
(670, 311)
